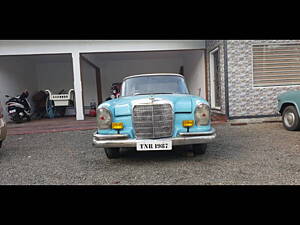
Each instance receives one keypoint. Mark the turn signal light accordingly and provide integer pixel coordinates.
(188, 123)
(117, 126)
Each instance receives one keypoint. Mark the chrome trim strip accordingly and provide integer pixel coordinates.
(132, 142)
(153, 74)
(189, 134)
(110, 136)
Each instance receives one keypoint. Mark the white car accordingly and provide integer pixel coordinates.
(3, 128)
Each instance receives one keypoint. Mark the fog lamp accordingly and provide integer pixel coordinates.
(117, 126)
(188, 123)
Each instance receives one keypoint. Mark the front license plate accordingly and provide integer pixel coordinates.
(153, 145)
(12, 111)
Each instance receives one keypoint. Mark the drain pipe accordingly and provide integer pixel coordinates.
(226, 79)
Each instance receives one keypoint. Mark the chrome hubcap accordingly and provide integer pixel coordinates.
(289, 119)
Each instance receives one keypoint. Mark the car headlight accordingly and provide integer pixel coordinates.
(104, 118)
(202, 115)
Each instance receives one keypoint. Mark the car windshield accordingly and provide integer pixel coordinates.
(155, 84)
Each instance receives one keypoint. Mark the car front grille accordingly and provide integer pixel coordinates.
(153, 121)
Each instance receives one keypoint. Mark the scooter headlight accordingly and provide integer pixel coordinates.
(202, 115)
(104, 118)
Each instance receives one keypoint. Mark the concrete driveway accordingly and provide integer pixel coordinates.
(263, 153)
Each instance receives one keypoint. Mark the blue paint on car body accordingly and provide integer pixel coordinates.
(183, 108)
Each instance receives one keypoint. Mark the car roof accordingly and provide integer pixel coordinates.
(153, 74)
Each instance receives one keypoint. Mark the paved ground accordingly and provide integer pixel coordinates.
(68, 123)
(262, 153)
(51, 125)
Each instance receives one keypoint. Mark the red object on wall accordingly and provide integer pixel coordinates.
(92, 113)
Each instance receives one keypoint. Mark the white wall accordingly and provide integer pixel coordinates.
(194, 72)
(22, 72)
(16, 47)
(89, 84)
(29, 47)
(115, 67)
(40, 73)
(115, 70)
(54, 76)
(16, 75)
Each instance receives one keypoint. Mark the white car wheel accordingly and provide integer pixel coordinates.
(290, 118)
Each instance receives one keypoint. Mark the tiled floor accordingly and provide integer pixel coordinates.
(64, 124)
(51, 125)
(217, 118)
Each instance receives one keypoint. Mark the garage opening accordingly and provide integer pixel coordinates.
(113, 67)
(35, 73)
(99, 71)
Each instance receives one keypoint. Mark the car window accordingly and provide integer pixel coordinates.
(154, 85)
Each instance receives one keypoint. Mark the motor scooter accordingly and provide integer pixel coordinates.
(116, 91)
(18, 107)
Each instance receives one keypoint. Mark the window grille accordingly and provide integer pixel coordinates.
(276, 65)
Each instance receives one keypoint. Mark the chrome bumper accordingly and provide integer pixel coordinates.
(122, 140)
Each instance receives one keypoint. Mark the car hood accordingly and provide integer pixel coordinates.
(181, 103)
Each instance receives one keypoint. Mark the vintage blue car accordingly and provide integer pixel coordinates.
(289, 108)
(154, 112)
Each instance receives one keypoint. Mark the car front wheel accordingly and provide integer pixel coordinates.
(112, 153)
(290, 118)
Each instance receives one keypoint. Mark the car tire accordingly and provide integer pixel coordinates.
(290, 118)
(199, 149)
(112, 153)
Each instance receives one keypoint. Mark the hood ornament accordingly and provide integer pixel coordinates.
(152, 99)
(149, 100)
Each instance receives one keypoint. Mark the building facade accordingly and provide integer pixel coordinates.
(239, 78)
(91, 66)
(252, 73)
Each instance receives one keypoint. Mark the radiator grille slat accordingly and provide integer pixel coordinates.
(153, 121)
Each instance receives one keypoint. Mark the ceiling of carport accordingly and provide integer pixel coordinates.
(53, 58)
(137, 55)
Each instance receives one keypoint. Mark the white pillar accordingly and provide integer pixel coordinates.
(77, 86)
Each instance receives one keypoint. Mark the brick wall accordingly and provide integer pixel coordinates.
(211, 45)
(244, 99)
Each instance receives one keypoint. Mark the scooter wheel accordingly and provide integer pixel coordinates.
(17, 120)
